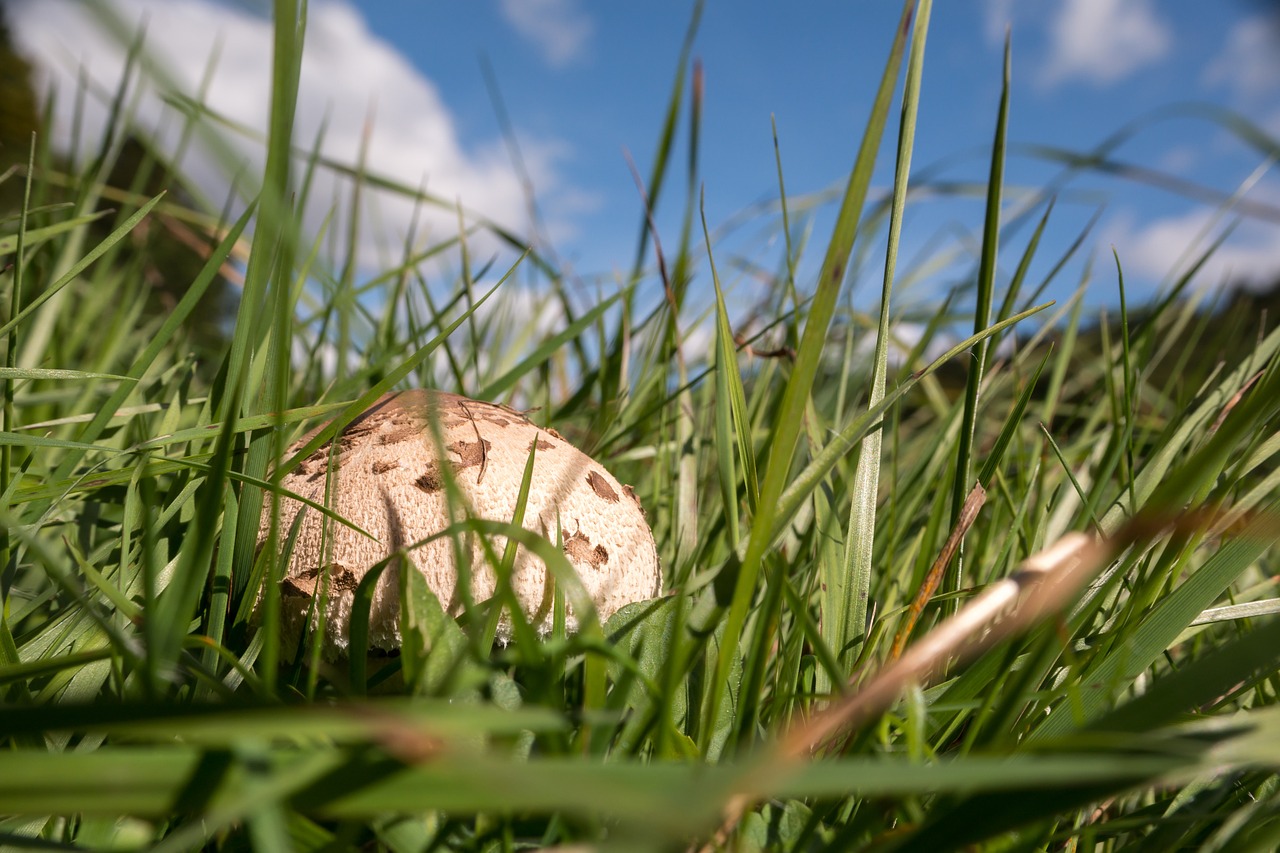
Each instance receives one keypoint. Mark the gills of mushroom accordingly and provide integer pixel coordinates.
(388, 481)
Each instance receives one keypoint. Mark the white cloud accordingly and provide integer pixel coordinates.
(348, 77)
(1164, 249)
(558, 28)
(1249, 65)
(1102, 41)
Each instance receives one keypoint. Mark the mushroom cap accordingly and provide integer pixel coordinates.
(387, 480)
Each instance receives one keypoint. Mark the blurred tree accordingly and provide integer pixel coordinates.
(19, 117)
(165, 250)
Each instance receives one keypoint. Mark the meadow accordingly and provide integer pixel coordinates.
(1020, 596)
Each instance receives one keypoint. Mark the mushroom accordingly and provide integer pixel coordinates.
(388, 481)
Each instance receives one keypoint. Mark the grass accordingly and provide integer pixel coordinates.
(1032, 613)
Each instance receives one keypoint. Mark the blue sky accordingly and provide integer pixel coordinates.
(584, 82)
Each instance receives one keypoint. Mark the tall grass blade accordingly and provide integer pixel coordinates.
(981, 317)
(845, 596)
(791, 411)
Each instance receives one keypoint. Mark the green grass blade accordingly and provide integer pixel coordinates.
(547, 348)
(35, 236)
(790, 416)
(81, 265)
(825, 459)
(1158, 630)
(1203, 682)
(845, 594)
(981, 317)
(731, 411)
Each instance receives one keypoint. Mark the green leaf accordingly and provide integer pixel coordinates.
(962, 484)
(53, 373)
(81, 265)
(1143, 644)
(791, 411)
(36, 236)
(845, 592)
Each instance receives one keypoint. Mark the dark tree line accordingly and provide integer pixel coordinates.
(167, 251)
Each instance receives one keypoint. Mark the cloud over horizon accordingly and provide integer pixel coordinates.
(1165, 248)
(351, 80)
(1103, 41)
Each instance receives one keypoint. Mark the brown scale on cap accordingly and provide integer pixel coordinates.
(388, 480)
(580, 549)
(471, 454)
(430, 480)
(600, 485)
(306, 584)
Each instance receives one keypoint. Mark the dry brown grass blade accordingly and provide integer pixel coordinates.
(968, 514)
(1235, 398)
(1043, 584)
